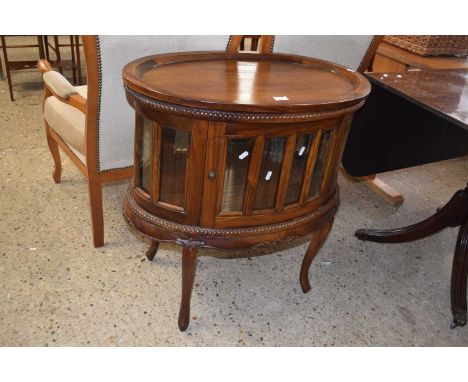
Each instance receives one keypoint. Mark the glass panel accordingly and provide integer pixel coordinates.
(174, 154)
(320, 163)
(296, 176)
(144, 158)
(239, 152)
(267, 186)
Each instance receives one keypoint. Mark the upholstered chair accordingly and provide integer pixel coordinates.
(93, 124)
(354, 52)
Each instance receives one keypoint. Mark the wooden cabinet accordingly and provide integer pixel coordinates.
(234, 151)
(222, 175)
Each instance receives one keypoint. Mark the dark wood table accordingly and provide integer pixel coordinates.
(234, 151)
(414, 118)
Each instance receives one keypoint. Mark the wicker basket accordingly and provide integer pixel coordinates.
(431, 45)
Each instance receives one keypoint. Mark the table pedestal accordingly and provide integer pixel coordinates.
(453, 214)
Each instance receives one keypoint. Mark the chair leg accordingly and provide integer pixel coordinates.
(54, 150)
(189, 265)
(315, 244)
(95, 201)
(151, 252)
(2, 76)
(7, 67)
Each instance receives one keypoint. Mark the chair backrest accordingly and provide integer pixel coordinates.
(354, 52)
(115, 119)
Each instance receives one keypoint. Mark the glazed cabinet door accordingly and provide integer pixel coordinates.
(257, 173)
(170, 156)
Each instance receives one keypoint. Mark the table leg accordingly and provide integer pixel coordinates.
(453, 214)
(450, 215)
(315, 244)
(151, 252)
(189, 265)
(459, 276)
(391, 195)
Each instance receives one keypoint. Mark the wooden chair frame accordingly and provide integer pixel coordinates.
(264, 43)
(89, 169)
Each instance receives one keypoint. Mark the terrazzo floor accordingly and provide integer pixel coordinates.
(57, 290)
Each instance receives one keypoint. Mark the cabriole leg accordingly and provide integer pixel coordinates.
(189, 264)
(151, 252)
(315, 244)
(54, 150)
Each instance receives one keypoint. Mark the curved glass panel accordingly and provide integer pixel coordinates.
(174, 154)
(320, 163)
(270, 169)
(144, 156)
(296, 176)
(239, 152)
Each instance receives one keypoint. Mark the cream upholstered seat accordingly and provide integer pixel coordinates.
(67, 121)
(94, 126)
(354, 52)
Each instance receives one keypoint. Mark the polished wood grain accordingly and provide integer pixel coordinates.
(442, 92)
(228, 182)
(245, 82)
(445, 92)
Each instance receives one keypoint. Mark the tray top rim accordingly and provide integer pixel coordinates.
(133, 71)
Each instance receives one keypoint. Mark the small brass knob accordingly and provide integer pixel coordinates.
(211, 175)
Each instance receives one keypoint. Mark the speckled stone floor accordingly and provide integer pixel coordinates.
(57, 290)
